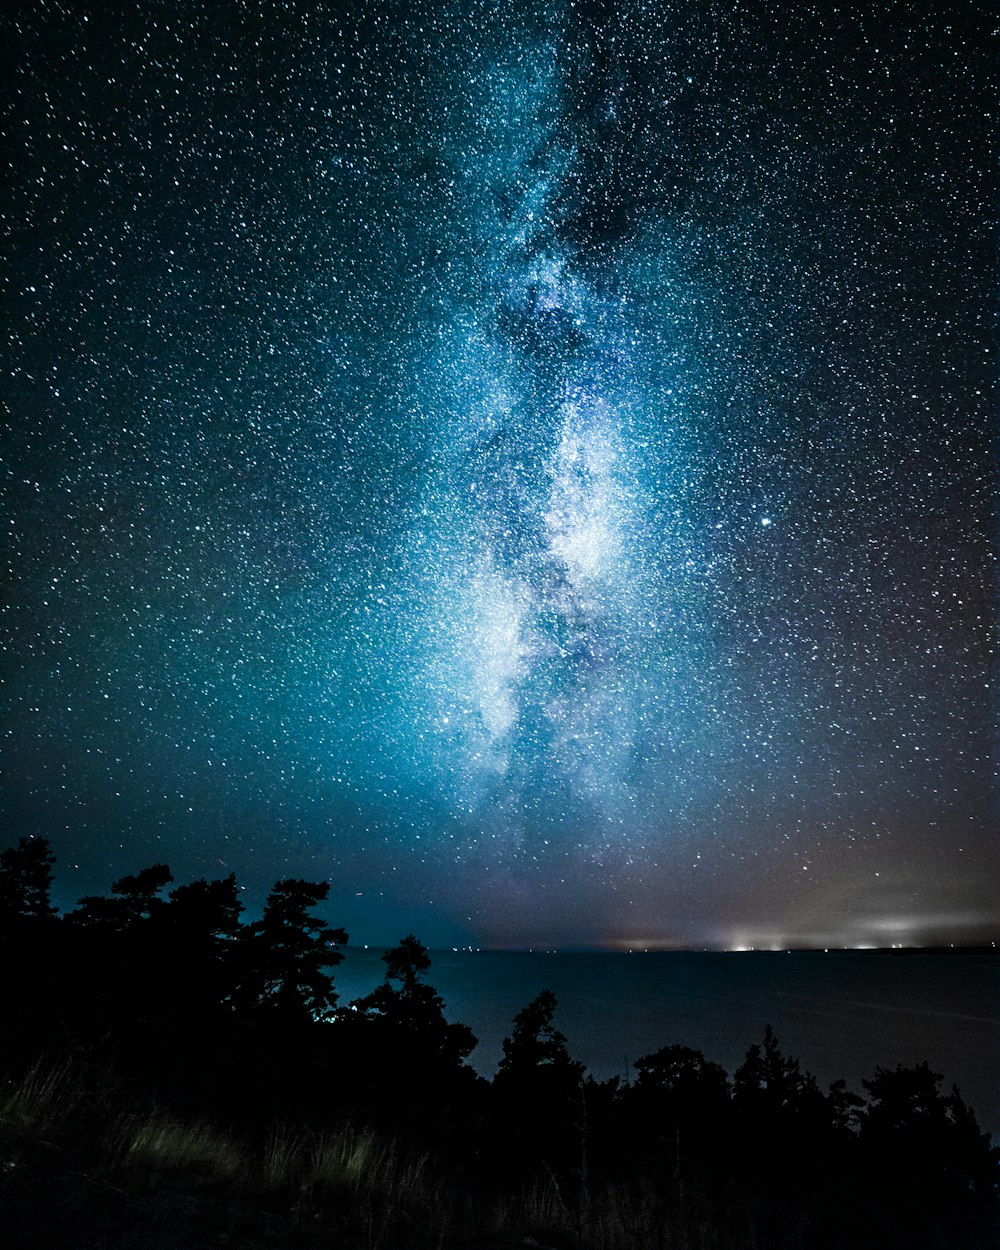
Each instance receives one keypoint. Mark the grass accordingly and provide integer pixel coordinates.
(44, 1098)
(65, 1155)
(348, 1187)
(348, 1159)
(281, 1163)
(158, 1142)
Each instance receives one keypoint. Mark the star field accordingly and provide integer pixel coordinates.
(531, 467)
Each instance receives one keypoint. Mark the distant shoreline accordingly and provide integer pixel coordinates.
(979, 948)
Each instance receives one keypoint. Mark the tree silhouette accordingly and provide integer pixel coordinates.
(284, 956)
(198, 931)
(26, 881)
(406, 1006)
(930, 1166)
(135, 899)
(536, 1045)
(781, 1123)
(122, 968)
(682, 1073)
(769, 1081)
(843, 1106)
(406, 963)
(32, 961)
(674, 1115)
(540, 1100)
(205, 911)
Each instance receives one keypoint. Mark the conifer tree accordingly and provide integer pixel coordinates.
(535, 1044)
(285, 954)
(26, 881)
(135, 898)
(406, 1004)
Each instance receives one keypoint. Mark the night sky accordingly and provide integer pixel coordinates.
(529, 465)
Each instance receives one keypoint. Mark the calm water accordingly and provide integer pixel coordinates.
(839, 1013)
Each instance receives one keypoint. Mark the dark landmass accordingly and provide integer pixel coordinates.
(174, 1077)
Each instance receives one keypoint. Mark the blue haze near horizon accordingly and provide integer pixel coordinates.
(840, 1013)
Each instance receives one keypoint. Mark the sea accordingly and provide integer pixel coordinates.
(840, 1013)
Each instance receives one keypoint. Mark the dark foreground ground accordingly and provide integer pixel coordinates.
(79, 1168)
(174, 1078)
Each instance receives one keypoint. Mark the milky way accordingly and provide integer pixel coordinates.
(531, 467)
